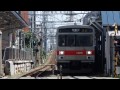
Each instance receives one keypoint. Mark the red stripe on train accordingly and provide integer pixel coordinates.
(75, 52)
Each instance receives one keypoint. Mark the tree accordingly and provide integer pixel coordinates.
(28, 36)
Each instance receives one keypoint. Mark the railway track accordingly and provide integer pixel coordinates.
(67, 77)
(48, 71)
(48, 66)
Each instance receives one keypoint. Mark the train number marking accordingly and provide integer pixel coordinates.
(79, 52)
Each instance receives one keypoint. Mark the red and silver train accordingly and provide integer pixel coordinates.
(76, 48)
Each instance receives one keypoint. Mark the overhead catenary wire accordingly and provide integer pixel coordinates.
(54, 20)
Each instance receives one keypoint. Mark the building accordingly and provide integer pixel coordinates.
(11, 21)
(25, 16)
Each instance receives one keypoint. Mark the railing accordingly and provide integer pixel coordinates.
(16, 54)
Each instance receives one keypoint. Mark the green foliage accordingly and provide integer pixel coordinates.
(29, 37)
(43, 54)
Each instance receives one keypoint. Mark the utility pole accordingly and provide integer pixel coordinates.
(48, 18)
(1, 65)
(33, 30)
(45, 30)
(24, 47)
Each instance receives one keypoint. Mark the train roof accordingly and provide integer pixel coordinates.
(75, 26)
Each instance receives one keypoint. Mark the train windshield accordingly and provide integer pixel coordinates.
(75, 40)
(84, 40)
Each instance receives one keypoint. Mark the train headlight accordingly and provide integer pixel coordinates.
(89, 52)
(61, 52)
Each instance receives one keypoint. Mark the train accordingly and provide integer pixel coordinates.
(75, 48)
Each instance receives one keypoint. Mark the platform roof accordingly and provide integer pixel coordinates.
(110, 18)
(11, 20)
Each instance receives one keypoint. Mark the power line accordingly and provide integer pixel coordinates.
(48, 21)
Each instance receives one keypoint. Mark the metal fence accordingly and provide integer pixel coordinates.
(16, 54)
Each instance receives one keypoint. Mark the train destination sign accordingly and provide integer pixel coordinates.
(75, 30)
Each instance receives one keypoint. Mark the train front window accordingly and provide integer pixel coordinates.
(70, 40)
(66, 40)
(61, 40)
(75, 40)
(84, 40)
